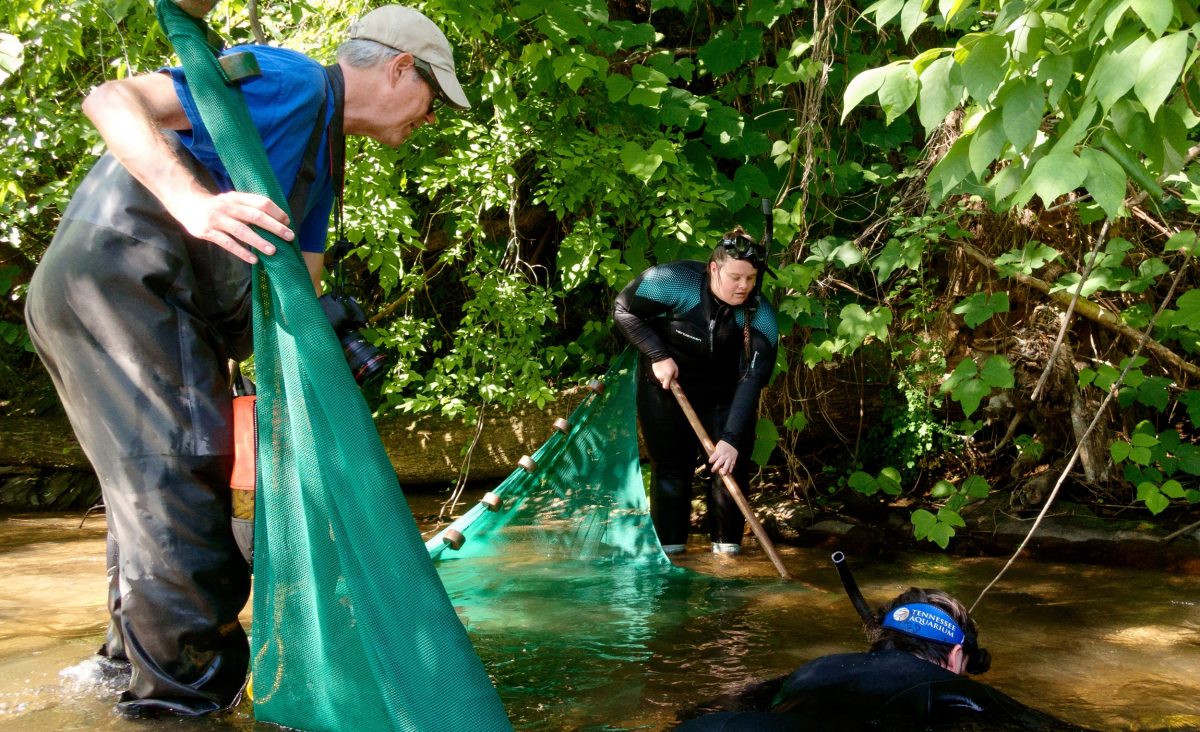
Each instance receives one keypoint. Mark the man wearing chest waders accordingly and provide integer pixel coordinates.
(144, 296)
(706, 326)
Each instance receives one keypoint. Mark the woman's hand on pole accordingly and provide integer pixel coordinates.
(665, 371)
(724, 456)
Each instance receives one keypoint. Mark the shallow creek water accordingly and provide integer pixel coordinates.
(1110, 649)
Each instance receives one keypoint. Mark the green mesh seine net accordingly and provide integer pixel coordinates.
(579, 497)
(353, 629)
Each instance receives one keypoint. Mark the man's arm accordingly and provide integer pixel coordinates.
(315, 262)
(130, 115)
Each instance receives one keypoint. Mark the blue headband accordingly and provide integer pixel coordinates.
(926, 622)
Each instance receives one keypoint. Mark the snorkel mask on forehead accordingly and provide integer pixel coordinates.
(744, 248)
(918, 620)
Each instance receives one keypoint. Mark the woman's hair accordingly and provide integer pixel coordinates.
(883, 639)
(364, 54)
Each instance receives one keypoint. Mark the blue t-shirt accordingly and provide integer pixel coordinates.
(283, 103)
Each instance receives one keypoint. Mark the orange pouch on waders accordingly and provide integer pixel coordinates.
(245, 450)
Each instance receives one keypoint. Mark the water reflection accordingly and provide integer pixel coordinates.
(621, 650)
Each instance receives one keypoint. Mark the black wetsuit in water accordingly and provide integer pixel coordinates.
(669, 311)
(886, 690)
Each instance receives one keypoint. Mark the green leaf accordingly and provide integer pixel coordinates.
(923, 523)
(1154, 392)
(997, 373)
(911, 17)
(889, 481)
(729, 49)
(1027, 260)
(1156, 14)
(863, 483)
(898, 90)
(566, 22)
(1191, 400)
(618, 86)
(1055, 71)
(1188, 308)
(643, 97)
(1022, 103)
(861, 87)
(941, 534)
(766, 437)
(1077, 130)
(1154, 499)
(952, 169)
(984, 62)
(897, 254)
(1105, 180)
(966, 369)
(1160, 68)
(12, 55)
(987, 142)
(814, 353)
(1185, 241)
(978, 308)
(951, 8)
(969, 394)
(950, 517)
(942, 489)
(842, 253)
(1119, 450)
(857, 324)
(1054, 176)
(1028, 35)
(796, 422)
(976, 486)
(938, 94)
(639, 162)
(1141, 439)
(884, 10)
(1117, 72)
(1172, 489)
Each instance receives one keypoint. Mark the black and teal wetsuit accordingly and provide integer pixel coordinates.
(883, 690)
(669, 311)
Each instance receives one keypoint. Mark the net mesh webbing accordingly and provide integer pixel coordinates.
(583, 497)
(352, 627)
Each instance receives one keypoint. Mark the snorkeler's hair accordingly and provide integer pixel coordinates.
(881, 638)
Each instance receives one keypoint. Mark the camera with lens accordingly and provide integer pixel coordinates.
(346, 316)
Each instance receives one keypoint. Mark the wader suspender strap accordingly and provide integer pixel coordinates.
(298, 200)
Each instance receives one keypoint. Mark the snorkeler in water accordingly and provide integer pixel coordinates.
(924, 643)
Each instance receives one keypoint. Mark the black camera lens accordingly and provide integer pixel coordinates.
(345, 315)
(367, 362)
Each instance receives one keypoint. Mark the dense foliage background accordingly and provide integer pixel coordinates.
(956, 186)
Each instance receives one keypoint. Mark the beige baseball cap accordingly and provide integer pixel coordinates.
(405, 29)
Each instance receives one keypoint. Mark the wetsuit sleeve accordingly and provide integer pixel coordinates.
(764, 345)
(632, 313)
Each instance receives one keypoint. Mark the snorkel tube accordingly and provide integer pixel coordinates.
(856, 597)
(768, 231)
(918, 620)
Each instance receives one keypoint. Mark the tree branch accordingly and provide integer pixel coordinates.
(1089, 310)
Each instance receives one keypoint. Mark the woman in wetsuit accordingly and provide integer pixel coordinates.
(923, 645)
(706, 326)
